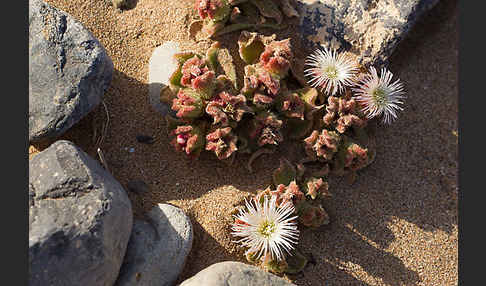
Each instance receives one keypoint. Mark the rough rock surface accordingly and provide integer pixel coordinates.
(158, 248)
(231, 273)
(80, 219)
(69, 71)
(371, 29)
(161, 66)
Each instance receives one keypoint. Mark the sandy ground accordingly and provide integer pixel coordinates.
(396, 225)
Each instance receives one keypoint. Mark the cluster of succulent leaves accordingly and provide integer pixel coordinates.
(212, 113)
(224, 16)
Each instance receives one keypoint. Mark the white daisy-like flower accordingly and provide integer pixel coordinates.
(330, 71)
(378, 96)
(267, 229)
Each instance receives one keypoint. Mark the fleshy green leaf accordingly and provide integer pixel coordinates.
(296, 128)
(284, 174)
(226, 63)
(296, 262)
(268, 9)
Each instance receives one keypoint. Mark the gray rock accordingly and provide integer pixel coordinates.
(69, 71)
(369, 29)
(231, 273)
(80, 219)
(157, 249)
(161, 66)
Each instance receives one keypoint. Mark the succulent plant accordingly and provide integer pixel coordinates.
(251, 45)
(291, 105)
(188, 139)
(225, 107)
(222, 142)
(175, 78)
(315, 187)
(290, 193)
(276, 58)
(225, 16)
(188, 104)
(322, 145)
(259, 83)
(215, 115)
(262, 80)
(216, 10)
(285, 173)
(343, 113)
(265, 129)
(197, 75)
(274, 265)
(313, 215)
(356, 157)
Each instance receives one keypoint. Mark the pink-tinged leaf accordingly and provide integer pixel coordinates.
(222, 142)
(188, 139)
(313, 216)
(290, 193)
(251, 45)
(342, 114)
(276, 57)
(322, 145)
(315, 187)
(187, 104)
(291, 105)
(216, 10)
(225, 107)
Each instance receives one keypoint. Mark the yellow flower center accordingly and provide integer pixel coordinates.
(331, 72)
(267, 228)
(379, 96)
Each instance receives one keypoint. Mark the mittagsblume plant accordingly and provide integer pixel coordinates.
(328, 118)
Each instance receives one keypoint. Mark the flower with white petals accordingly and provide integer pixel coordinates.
(378, 96)
(267, 229)
(330, 71)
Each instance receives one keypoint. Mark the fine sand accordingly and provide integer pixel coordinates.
(396, 225)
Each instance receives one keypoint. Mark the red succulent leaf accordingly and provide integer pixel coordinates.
(288, 194)
(192, 68)
(187, 105)
(222, 142)
(292, 106)
(342, 113)
(313, 216)
(187, 139)
(316, 187)
(197, 75)
(347, 121)
(267, 129)
(356, 157)
(262, 99)
(276, 57)
(271, 84)
(211, 9)
(225, 106)
(322, 145)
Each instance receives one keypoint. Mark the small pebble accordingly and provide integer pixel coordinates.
(145, 139)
